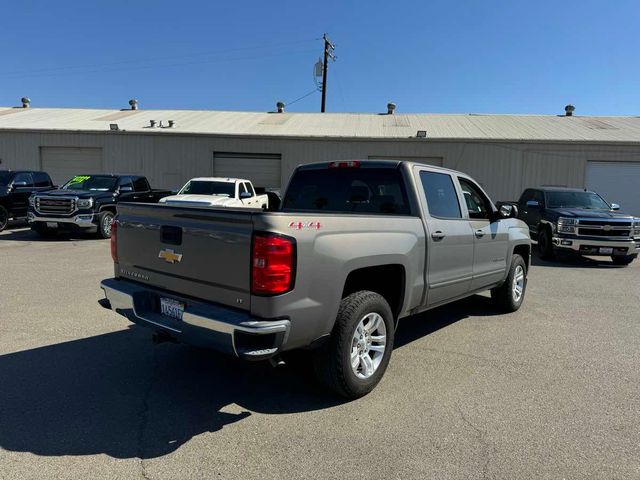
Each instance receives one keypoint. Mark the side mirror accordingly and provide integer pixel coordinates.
(533, 204)
(615, 206)
(507, 210)
(126, 189)
(244, 195)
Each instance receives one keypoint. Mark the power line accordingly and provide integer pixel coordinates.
(303, 96)
(153, 59)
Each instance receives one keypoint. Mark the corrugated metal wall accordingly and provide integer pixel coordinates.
(504, 169)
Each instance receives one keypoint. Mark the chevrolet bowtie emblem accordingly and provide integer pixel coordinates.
(607, 228)
(169, 256)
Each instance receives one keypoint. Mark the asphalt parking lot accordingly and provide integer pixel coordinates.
(552, 391)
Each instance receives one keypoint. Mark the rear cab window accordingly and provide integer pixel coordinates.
(441, 196)
(365, 188)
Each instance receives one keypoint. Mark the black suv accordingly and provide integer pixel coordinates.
(579, 221)
(88, 203)
(15, 189)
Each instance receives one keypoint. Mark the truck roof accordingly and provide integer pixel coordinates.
(560, 189)
(381, 164)
(219, 179)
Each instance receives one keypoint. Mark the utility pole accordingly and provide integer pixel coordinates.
(328, 53)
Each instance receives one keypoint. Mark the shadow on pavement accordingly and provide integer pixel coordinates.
(25, 234)
(120, 395)
(564, 260)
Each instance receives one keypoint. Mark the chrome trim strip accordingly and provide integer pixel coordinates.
(74, 220)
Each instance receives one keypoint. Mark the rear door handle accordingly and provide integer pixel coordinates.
(437, 236)
(479, 233)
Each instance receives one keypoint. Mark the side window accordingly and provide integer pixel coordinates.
(442, 199)
(246, 188)
(477, 204)
(126, 182)
(141, 184)
(41, 179)
(526, 196)
(23, 178)
(538, 196)
(250, 189)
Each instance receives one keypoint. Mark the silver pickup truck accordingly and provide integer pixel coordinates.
(356, 246)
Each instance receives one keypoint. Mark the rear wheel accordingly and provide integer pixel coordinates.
(624, 260)
(354, 359)
(545, 246)
(509, 296)
(4, 218)
(105, 221)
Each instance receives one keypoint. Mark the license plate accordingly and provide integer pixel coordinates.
(171, 308)
(52, 225)
(606, 250)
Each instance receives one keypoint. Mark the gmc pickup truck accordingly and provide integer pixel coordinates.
(218, 192)
(15, 189)
(88, 203)
(580, 222)
(356, 246)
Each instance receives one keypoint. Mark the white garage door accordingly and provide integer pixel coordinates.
(617, 182)
(436, 161)
(262, 169)
(62, 163)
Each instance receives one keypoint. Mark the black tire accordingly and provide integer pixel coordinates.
(504, 297)
(332, 361)
(4, 218)
(105, 219)
(545, 245)
(623, 260)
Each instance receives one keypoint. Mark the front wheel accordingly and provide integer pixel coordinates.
(4, 218)
(623, 260)
(356, 356)
(508, 297)
(545, 245)
(105, 221)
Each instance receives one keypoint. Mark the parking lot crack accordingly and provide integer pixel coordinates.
(487, 447)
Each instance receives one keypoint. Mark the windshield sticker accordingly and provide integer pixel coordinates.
(78, 179)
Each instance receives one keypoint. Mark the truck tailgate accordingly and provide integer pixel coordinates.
(198, 252)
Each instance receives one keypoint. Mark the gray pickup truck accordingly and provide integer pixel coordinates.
(356, 246)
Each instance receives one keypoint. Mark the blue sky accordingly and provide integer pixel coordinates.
(426, 56)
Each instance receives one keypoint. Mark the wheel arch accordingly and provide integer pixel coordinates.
(388, 280)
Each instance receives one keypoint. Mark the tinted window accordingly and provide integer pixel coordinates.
(576, 200)
(41, 179)
(442, 199)
(477, 205)
(358, 190)
(126, 182)
(140, 184)
(526, 196)
(23, 178)
(203, 187)
(5, 178)
(98, 183)
(250, 189)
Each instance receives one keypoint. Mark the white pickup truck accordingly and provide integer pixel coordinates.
(218, 192)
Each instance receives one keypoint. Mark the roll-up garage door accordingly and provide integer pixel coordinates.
(262, 169)
(436, 161)
(62, 163)
(617, 182)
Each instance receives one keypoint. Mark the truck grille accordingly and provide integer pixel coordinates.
(604, 228)
(55, 205)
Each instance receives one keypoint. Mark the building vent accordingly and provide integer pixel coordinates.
(152, 123)
(133, 103)
(391, 108)
(172, 123)
(26, 102)
(568, 110)
(280, 107)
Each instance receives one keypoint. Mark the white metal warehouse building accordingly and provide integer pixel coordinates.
(505, 153)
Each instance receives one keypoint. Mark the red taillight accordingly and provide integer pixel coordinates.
(114, 245)
(349, 164)
(272, 264)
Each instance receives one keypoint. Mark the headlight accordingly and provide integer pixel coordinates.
(85, 203)
(32, 201)
(636, 227)
(566, 225)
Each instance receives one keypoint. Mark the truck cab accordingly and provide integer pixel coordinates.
(579, 221)
(218, 192)
(15, 189)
